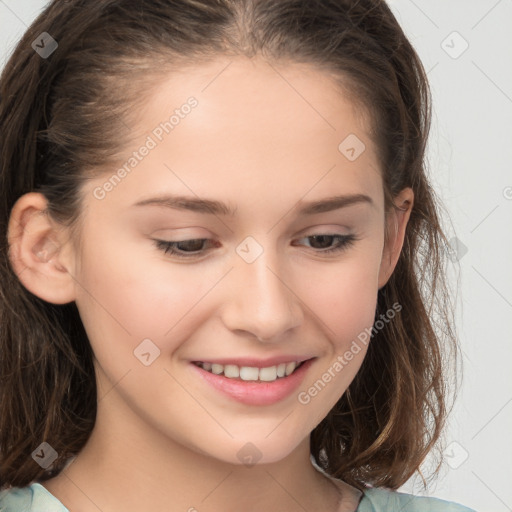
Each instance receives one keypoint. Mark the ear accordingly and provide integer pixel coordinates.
(40, 252)
(395, 228)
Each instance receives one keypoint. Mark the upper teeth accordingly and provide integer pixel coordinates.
(267, 374)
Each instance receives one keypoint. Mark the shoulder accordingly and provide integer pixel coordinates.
(34, 498)
(384, 500)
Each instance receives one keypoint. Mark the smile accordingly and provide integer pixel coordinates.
(253, 385)
(251, 373)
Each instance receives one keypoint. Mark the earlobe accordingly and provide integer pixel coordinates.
(396, 228)
(39, 251)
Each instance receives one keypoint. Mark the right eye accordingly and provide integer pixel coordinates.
(183, 248)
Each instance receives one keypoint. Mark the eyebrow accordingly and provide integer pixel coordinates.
(213, 207)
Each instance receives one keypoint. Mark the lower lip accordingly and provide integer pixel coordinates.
(256, 392)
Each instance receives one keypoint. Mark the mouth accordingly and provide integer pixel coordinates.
(255, 385)
(251, 373)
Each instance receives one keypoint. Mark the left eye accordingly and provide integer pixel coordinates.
(196, 246)
(325, 242)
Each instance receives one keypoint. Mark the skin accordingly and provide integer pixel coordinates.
(164, 440)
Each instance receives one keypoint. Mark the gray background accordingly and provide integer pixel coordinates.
(470, 155)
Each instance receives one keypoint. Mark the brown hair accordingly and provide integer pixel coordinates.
(61, 119)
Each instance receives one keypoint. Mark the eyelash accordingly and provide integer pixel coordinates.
(344, 242)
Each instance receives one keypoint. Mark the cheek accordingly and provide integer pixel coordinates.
(344, 300)
(344, 295)
(128, 295)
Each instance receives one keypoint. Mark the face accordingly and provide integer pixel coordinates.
(267, 273)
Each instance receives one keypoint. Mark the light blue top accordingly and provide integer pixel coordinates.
(36, 498)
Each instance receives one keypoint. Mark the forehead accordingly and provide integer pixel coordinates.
(273, 131)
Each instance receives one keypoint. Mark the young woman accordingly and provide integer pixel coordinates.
(221, 260)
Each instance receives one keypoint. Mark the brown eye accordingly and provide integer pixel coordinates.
(183, 248)
(321, 241)
(190, 245)
(323, 244)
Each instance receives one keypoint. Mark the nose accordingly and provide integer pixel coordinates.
(261, 300)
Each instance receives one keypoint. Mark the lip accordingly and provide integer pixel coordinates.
(257, 363)
(252, 392)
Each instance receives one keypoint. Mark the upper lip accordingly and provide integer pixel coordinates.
(254, 362)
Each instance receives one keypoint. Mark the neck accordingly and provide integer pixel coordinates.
(123, 466)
